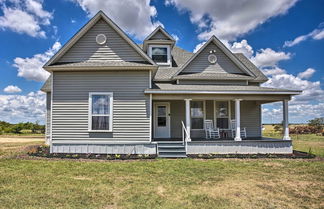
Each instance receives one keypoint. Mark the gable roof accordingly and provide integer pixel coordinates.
(86, 28)
(160, 29)
(224, 49)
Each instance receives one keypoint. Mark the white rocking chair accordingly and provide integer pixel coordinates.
(233, 130)
(211, 133)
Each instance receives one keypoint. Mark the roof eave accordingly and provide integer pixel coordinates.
(85, 68)
(151, 91)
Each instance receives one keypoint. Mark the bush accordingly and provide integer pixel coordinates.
(303, 130)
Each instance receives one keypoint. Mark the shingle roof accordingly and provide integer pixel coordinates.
(213, 76)
(165, 87)
(258, 73)
(47, 85)
(102, 64)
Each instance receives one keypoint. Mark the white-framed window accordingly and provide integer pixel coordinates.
(197, 114)
(100, 111)
(160, 54)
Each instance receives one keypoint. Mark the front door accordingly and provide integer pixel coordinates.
(162, 120)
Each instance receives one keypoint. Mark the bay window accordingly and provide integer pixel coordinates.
(100, 111)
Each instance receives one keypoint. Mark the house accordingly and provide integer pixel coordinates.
(107, 94)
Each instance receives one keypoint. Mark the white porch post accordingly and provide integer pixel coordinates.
(285, 120)
(187, 103)
(237, 120)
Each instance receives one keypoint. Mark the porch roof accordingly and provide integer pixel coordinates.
(168, 88)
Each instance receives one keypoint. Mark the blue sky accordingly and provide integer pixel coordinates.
(284, 38)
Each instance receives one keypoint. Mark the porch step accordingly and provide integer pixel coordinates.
(171, 149)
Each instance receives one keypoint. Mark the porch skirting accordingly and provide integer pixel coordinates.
(240, 147)
(87, 148)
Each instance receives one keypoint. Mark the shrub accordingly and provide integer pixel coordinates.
(304, 130)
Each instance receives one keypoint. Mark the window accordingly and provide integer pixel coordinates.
(100, 111)
(197, 114)
(222, 114)
(160, 54)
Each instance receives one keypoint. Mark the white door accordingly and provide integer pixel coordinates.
(162, 120)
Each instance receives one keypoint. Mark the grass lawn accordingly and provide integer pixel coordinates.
(183, 183)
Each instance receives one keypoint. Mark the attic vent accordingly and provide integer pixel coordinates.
(101, 39)
(212, 58)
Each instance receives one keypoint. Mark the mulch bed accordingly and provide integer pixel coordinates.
(44, 151)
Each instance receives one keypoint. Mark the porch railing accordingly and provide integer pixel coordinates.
(185, 136)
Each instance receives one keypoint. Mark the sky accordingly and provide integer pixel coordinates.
(284, 38)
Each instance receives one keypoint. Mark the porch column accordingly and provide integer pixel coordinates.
(285, 120)
(237, 120)
(187, 102)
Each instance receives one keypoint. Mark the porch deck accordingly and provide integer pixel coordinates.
(250, 145)
(253, 139)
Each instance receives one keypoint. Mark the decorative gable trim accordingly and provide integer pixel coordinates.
(159, 28)
(86, 28)
(224, 49)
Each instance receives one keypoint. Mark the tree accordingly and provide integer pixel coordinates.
(317, 123)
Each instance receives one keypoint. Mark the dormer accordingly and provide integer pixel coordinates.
(158, 46)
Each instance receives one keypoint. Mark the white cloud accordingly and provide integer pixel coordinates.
(231, 18)
(176, 38)
(298, 113)
(12, 89)
(273, 71)
(198, 46)
(316, 34)
(23, 108)
(268, 57)
(242, 47)
(135, 17)
(25, 16)
(31, 68)
(306, 74)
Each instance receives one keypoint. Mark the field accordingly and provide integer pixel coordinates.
(27, 182)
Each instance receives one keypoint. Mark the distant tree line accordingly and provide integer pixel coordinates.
(20, 128)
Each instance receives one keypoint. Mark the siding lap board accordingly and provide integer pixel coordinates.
(159, 36)
(115, 48)
(131, 119)
(200, 63)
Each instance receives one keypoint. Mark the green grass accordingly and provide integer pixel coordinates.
(181, 183)
(305, 142)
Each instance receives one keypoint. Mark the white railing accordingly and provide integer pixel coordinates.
(185, 136)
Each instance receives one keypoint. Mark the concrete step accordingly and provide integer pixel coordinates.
(172, 155)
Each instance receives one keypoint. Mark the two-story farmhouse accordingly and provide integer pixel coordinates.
(106, 94)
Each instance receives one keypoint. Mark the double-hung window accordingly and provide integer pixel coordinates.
(100, 111)
(160, 54)
(197, 114)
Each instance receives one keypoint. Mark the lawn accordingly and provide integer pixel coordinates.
(182, 183)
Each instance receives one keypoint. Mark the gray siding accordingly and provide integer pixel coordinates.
(48, 117)
(251, 118)
(131, 111)
(115, 49)
(159, 36)
(201, 64)
(204, 82)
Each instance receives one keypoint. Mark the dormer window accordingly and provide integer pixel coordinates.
(160, 54)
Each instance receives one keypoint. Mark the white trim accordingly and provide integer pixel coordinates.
(111, 103)
(159, 28)
(86, 28)
(285, 120)
(51, 125)
(238, 120)
(168, 117)
(151, 116)
(220, 92)
(168, 53)
(188, 117)
(214, 112)
(150, 79)
(229, 114)
(224, 49)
